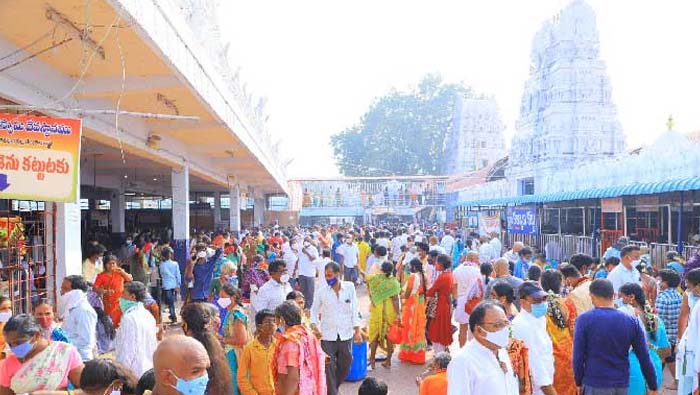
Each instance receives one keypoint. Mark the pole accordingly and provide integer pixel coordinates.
(679, 229)
(594, 230)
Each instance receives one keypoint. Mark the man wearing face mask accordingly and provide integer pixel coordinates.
(482, 366)
(136, 337)
(79, 318)
(530, 326)
(626, 271)
(275, 290)
(335, 315)
(180, 364)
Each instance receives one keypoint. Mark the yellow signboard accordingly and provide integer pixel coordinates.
(39, 158)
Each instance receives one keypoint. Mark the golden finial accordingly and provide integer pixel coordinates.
(670, 124)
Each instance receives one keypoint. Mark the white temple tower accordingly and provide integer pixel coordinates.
(475, 137)
(567, 115)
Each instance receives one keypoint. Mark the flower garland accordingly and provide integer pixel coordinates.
(554, 310)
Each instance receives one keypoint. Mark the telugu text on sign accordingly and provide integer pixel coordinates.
(39, 158)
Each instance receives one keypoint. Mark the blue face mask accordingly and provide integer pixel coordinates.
(196, 386)
(331, 282)
(21, 350)
(539, 309)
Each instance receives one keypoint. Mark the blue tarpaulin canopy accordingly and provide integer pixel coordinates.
(643, 188)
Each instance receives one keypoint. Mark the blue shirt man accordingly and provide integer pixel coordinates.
(523, 263)
(170, 274)
(203, 273)
(602, 340)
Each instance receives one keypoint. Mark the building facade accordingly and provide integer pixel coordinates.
(475, 138)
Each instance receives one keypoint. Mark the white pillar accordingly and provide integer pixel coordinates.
(181, 203)
(235, 208)
(65, 219)
(217, 209)
(259, 210)
(117, 208)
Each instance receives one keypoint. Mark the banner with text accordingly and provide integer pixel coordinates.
(39, 158)
(489, 224)
(522, 220)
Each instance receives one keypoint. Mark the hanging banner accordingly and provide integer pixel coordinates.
(489, 224)
(39, 158)
(612, 205)
(522, 220)
(647, 203)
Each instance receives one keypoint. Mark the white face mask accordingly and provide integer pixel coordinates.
(284, 278)
(224, 302)
(499, 338)
(98, 261)
(202, 254)
(5, 316)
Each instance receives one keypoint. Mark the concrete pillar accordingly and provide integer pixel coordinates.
(235, 208)
(181, 217)
(67, 254)
(259, 210)
(117, 208)
(217, 210)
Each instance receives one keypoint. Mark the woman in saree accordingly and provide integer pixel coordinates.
(109, 285)
(235, 329)
(561, 317)
(636, 304)
(36, 364)
(384, 290)
(413, 319)
(440, 327)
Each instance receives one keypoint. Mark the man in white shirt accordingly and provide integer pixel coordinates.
(275, 290)
(349, 258)
(530, 326)
(486, 252)
(496, 245)
(290, 255)
(483, 367)
(447, 242)
(396, 244)
(434, 246)
(378, 257)
(307, 271)
(136, 338)
(335, 315)
(512, 255)
(626, 271)
(466, 284)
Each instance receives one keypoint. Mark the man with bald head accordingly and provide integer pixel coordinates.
(512, 255)
(180, 364)
(467, 284)
(501, 270)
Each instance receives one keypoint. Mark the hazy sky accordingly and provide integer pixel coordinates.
(320, 63)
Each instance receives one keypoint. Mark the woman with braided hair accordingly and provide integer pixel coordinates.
(635, 303)
(197, 322)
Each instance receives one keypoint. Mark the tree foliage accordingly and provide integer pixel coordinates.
(402, 133)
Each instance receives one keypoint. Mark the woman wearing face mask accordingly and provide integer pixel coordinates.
(234, 328)
(440, 327)
(106, 377)
(561, 317)
(36, 364)
(109, 285)
(659, 348)
(413, 344)
(5, 315)
(198, 323)
(43, 313)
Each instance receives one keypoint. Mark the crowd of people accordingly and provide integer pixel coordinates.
(276, 311)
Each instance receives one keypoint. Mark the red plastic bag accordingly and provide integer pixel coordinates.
(394, 333)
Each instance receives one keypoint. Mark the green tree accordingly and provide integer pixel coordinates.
(402, 133)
